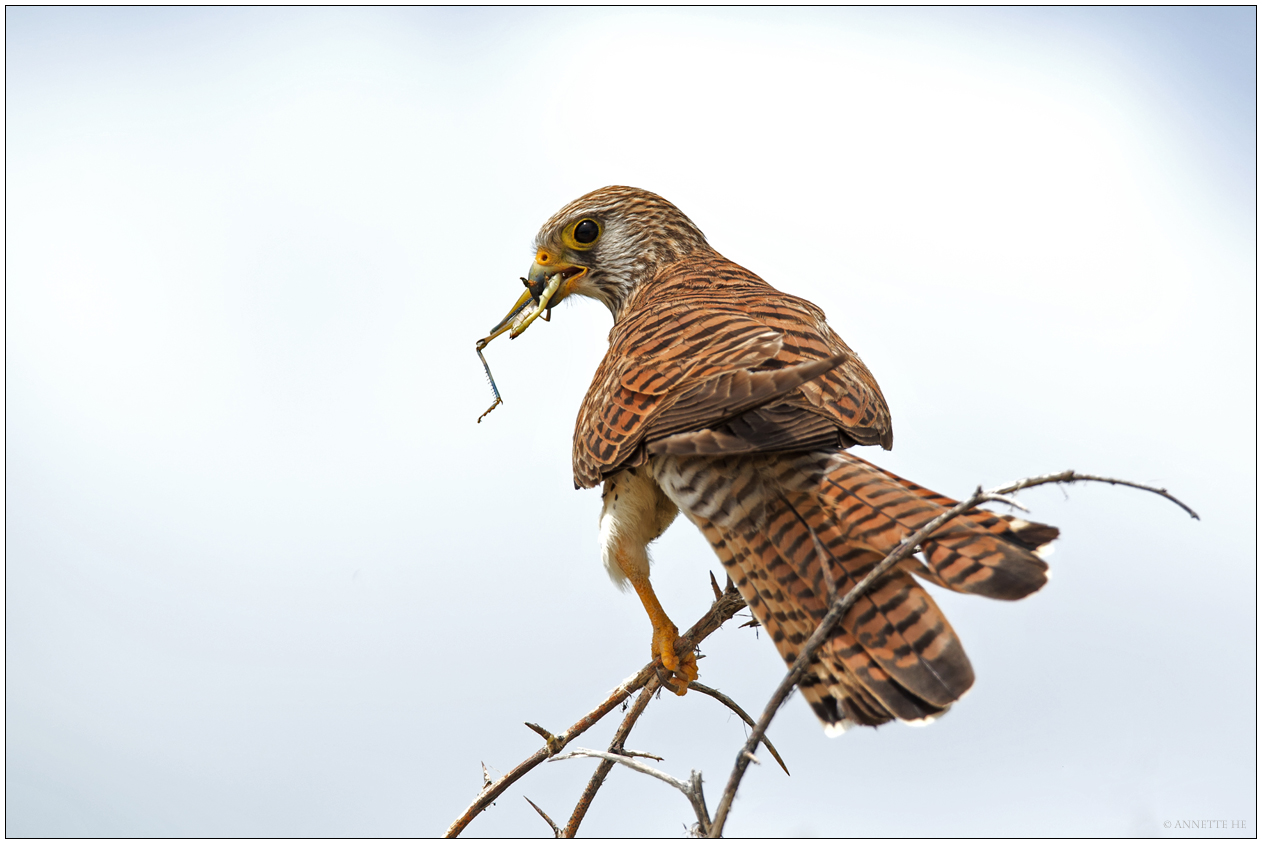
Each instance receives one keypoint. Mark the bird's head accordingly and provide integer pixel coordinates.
(606, 243)
(602, 245)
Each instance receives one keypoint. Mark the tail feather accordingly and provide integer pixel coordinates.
(894, 655)
(978, 552)
(896, 622)
(839, 699)
(787, 526)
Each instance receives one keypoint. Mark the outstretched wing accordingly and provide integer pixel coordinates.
(707, 358)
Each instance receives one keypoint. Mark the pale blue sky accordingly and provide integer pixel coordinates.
(265, 576)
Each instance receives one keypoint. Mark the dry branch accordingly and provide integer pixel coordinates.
(643, 755)
(615, 746)
(720, 611)
(1069, 476)
(691, 789)
(744, 716)
(727, 603)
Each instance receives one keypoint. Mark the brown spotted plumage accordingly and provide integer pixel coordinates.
(735, 403)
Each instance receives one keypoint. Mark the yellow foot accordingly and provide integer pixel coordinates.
(683, 668)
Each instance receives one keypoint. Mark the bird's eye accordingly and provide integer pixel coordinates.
(586, 232)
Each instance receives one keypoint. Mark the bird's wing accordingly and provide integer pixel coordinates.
(707, 358)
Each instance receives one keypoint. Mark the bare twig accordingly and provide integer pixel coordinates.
(732, 705)
(1069, 476)
(556, 832)
(840, 607)
(642, 754)
(698, 803)
(629, 761)
(690, 789)
(719, 612)
(615, 746)
(1011, 502)
(726, 605)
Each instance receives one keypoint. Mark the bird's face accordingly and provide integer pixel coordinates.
(575, 254)
(601, 246)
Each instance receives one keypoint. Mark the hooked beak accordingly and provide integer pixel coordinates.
(544, 268)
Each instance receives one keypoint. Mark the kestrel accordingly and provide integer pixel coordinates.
(734, 403)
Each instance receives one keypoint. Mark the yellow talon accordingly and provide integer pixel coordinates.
(683, 668)
(679, 664)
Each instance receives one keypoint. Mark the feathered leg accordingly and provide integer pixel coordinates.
(634, 513)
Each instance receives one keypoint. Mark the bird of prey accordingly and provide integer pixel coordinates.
(734, 403)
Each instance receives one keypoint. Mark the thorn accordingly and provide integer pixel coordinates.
(744, 716)
(555, 743)
(714, 584)
(486, 777)
(625, 752)
(753, 622)
(752, 758)
(556, 832)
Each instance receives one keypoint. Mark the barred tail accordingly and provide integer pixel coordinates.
(786, 525)
(979, 552)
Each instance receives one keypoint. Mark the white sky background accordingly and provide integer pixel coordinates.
(265, 576)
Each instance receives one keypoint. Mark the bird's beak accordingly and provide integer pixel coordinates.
(545, 267)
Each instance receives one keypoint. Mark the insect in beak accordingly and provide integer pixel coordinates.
(518, 320)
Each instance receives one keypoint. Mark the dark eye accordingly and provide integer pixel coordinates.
(586, 232)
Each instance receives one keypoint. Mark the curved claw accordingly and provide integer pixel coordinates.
(682, 667)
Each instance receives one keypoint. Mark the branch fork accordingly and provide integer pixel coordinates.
(726, 604)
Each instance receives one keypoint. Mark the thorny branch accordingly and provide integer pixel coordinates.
(727, 604)
(744, 716)
(615, 746)
(1069, 476)
(720, 611)
(691, 789)
(839, 608)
